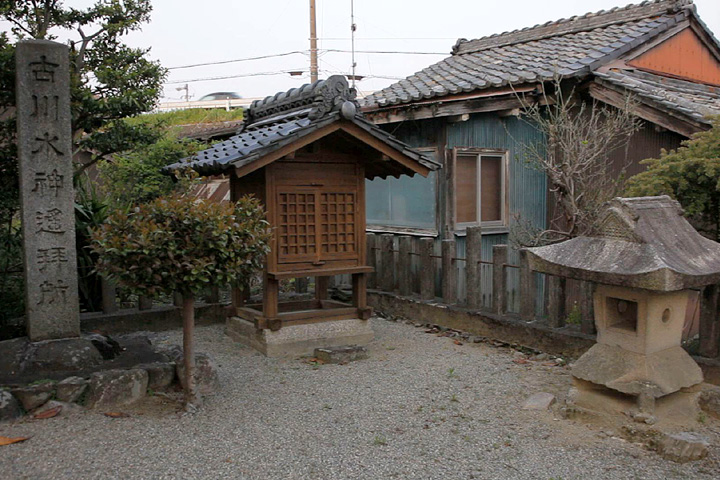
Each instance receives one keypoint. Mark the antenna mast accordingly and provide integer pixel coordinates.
(353, 27)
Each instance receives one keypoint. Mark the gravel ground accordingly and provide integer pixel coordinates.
(421, 407)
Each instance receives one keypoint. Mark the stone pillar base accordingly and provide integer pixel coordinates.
(295, 340)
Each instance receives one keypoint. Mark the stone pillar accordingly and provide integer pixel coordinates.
(404, 263)
(449, 272)
(473, 251)
(44, 140)
(500, 257)
(109, 296)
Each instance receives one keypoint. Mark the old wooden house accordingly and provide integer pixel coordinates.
(465, 112)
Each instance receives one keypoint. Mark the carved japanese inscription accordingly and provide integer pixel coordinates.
(47, 197)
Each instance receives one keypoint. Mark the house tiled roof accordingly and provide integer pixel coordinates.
(568, 47)
(694, 100)
(286, 117)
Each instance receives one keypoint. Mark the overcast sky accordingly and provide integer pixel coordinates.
(185, 32)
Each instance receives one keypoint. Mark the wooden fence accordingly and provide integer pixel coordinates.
(417, 267)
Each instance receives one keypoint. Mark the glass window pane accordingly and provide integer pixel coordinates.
(491, 188)
(466, 188)
(402, 202)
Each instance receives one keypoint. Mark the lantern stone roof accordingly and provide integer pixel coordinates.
(277, 122)
(641, 242)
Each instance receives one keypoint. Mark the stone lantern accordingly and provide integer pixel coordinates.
(645, 259)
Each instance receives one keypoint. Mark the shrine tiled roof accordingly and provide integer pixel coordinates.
(571, 47)
(286, 117)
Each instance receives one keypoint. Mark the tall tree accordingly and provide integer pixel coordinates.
(109, 80)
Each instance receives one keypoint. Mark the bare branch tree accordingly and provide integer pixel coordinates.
(580, 137)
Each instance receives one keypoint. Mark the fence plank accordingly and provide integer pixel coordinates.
(427, 270)
(144, 303)
(500, 257)
(449, 271)
(404, 263)
(109, 296)
(473, 255)
(587, 310)
(372, 259)
(387, 262)
(556, 301)
(709, 323)
(528, 288)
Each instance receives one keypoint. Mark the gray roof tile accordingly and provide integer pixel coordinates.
(570, 47)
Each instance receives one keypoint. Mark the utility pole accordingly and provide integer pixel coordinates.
(353, 27)
(187, 91)
(313, 44)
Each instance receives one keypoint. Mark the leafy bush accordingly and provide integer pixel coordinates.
(135, 177)
(177, 244)
(691, 175)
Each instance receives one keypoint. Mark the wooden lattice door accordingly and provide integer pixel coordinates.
(318, 213)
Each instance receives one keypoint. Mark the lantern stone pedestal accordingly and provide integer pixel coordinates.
(645, 258)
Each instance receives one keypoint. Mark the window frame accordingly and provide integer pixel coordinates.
(501, 224)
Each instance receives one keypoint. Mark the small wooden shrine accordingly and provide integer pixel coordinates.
(306, 154)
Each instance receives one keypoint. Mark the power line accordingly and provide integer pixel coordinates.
(383, 51)
(240, 75)
(389, 38)
(220, 62)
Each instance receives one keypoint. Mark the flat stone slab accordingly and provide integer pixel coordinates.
(342, 354)
(298, 340)
(683, 447)
(539, 401)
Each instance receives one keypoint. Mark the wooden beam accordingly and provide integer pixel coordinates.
(673, 122)
(384, 148)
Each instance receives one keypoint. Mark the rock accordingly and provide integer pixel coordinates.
(12, 353)
(66, 408)
(343, 354)
(68, 354)
(173, 352)
(107, 347)
(34, 395)
(539, 401)
(160, 374)
(646, 418)
(710, 402)
(206, 376)
(71, 389)
(114, 388)
(9, 406)
(541, 357)
(518, 355)
(683, 447)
